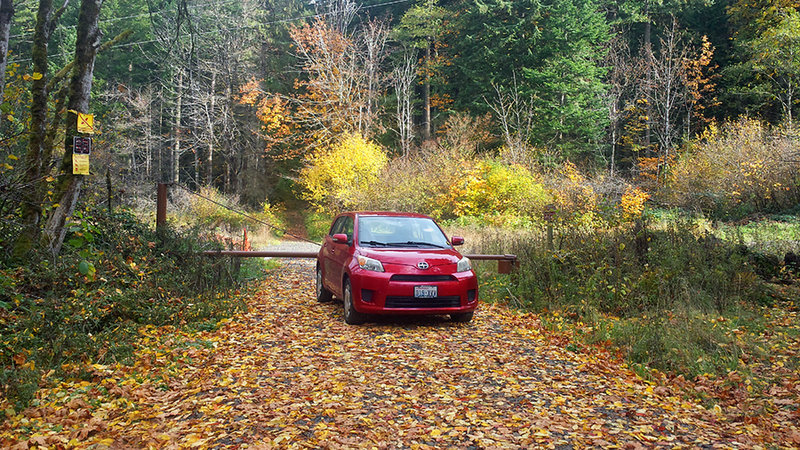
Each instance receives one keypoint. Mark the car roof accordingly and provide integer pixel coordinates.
(388, 214)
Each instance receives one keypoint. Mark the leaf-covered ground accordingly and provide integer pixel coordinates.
(290, 373)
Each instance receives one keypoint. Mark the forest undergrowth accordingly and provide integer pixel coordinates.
(114, 276)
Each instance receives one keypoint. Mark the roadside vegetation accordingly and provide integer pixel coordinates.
(115, 275)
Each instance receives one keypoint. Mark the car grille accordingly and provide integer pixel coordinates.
(423, 278)
(450, 301)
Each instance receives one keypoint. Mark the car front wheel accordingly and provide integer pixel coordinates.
(461, 317)
(351, 316)
(323, 295)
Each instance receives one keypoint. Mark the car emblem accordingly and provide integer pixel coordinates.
(423, 265)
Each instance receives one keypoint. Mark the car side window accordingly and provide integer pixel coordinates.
(337, 226)
(348, 228)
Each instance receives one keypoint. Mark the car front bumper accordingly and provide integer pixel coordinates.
(393, 293)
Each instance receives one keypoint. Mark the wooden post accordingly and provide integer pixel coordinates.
(549, 215)
(161, 206)
(108, 189)
(508, 264)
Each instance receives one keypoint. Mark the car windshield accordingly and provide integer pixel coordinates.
(394, 231)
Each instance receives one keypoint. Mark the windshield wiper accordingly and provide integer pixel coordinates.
(382, 244)
(416, 244)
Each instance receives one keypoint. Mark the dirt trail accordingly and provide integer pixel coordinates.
(290, 374)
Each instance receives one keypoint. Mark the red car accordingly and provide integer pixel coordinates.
(394, 263)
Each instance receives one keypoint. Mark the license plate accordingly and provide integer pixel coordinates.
(426, 291)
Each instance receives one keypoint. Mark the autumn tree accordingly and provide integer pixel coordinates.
(667, 94)
(622, 93)
(681, 86)
(342, 77)
(515, 113)
(700, 82)
(403, 78)
(758, 30)
(135, 133)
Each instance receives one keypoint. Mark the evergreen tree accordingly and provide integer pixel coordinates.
(552, 49)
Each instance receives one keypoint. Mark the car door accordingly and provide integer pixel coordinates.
(340, 253)
(328, 253)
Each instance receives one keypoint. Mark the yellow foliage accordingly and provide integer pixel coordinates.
(494, 191)
(274, 114)
(744, 164)
(575, 197)
(337, 174)
(632, 203)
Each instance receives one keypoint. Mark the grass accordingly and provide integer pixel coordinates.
(227, 223)
(775, 235)
(254, 268)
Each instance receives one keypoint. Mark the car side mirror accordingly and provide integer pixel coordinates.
(457, 240)
(340, 238)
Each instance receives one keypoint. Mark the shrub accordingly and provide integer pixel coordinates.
(499, 193)
(450, 183)
(317, 225)
(745, 167)
(337, 174)
(637, 286)
(220, 216)
(632, 203)
(414, 182)
(574, 197)
(213, 209)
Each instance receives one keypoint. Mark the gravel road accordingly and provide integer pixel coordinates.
(294, 246)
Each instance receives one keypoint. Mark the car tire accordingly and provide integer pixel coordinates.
(323, 295)
(462, 317)
(351, 316)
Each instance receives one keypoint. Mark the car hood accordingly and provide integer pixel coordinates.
(413, 256)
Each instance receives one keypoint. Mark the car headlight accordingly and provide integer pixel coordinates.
(463, 265)
(370, 264)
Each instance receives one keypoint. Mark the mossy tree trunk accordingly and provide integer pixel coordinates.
(68, 187)
(6, 13)
(33, 196)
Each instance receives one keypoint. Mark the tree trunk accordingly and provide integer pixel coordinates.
(176, 147)
(31, 202)
(211, 137)
(148, 138)
(69, 186)
(6, 13)
(649, 85)
(426, 131)
(613, 149)
(161, 171)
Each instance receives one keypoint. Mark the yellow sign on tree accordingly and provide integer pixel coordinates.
(86, 123)
(80, 164)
